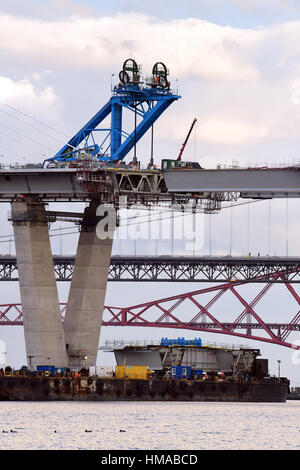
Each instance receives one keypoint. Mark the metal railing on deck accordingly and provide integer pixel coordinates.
(120, 344)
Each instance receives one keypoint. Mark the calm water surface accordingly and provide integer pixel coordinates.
(151, 426)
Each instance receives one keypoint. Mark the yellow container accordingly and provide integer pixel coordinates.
(131, 372)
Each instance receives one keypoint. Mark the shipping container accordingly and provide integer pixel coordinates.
(46, 369)
(179, 372)
(167, 164)
(104, 371)
(131, 372)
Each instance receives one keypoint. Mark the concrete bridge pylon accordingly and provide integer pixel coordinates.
(48, 341)
(43, 329)
(87, 292)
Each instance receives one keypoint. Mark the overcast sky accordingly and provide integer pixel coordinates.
(237, 67)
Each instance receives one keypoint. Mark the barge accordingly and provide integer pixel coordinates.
(174, 370)
(18, 388)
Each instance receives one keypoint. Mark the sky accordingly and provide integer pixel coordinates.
(236, 64)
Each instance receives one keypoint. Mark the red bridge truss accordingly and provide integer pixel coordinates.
(219, 309)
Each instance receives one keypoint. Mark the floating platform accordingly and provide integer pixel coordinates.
(18, 388)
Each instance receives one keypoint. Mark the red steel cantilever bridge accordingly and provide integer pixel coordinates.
(202, 310)
(194, 311)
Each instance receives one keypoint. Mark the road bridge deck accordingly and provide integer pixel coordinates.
(61, 184)
(176, 268)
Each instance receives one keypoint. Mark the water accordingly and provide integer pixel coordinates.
(150, 426)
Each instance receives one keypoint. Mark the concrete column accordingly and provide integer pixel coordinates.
(44, 335)
(83, 318)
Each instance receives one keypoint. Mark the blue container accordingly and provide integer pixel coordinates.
(46, 368)
(197, 372)
(181, 372)
(186, 373)
(176, 372)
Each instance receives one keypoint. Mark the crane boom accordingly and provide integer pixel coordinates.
(186, 139)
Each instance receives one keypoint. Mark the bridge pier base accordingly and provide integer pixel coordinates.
(44, 335)
(83, 317)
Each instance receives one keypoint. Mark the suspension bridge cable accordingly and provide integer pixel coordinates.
(18, 142)
(244, 203)
(188, 213)
(50, 230)
(287, 226)
(248, 229)
(181, 214)
(54, 235)
(138, 218)
(26, 137)
(269, 227)
(34, 119)
(121, 225)
(231, 230)
(33, 127)
(210, 234)
(195, 142)
(11, 151)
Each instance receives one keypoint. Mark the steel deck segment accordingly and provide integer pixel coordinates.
(177, 269)
(258, 182)
(61, 184)
(39, 182)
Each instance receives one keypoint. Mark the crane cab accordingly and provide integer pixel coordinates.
(168, 164)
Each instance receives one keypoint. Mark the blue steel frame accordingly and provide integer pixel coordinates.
(147, 102)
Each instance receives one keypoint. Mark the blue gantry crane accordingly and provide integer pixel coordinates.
(147, 100)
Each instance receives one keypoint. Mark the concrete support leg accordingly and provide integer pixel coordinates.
(82, 322)
(44, 335)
